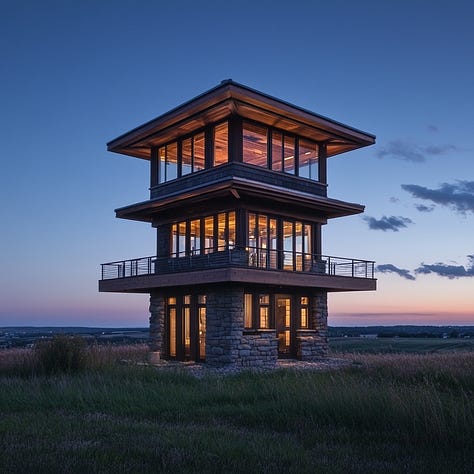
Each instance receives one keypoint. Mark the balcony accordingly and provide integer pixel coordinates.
(250, 265)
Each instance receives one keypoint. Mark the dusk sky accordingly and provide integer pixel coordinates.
(76, 73)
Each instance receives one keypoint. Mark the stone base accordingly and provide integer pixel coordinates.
(154, 357)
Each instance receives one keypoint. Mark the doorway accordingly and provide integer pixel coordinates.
(283, 325)
(186, 327)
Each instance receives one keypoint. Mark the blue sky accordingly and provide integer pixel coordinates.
(76, 74)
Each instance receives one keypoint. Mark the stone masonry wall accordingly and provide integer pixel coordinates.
(157, 323)
(312, 344)
(259, 349)
(224, 325)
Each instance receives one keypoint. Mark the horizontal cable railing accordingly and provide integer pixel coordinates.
(250, 257)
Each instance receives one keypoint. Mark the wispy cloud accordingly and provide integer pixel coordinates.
(389, 268)
(423, 208)
(458, 196)
(403, 150)
(393, 223)
(432, 128)
(448, 271)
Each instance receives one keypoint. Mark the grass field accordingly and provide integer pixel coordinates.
(385, 413)
(399, 345)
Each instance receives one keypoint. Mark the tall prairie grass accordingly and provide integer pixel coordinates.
(384, 413)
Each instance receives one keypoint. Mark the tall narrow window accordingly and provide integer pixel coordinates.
(182, 239)
(277, 151)
(264, 311)
(308, 249)
(231, 231)
(162, 163)
(221, 144)
(255, 144)
(299, 254)
(195, 237)
(186, 156)
(273, 252)
(171, 161)
(198, 152)
(288, 248)
(174, 240)
(308, 159)
(289, 155)
(221, 231)
(209, 234)
(248, 323)
(304, 312)
(262, 241)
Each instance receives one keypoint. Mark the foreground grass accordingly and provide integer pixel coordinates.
(385, 413)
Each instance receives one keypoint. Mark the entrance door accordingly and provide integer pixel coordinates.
(283, 325)
(186, 327)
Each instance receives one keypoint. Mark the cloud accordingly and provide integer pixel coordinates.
(423, 208)
(387, 223)
(389, 268)
(432, 128)
(448, 271)
(458, 196)
(406, 151)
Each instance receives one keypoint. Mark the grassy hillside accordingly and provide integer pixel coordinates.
(384, 413)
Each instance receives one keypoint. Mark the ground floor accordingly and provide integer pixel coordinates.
(231, 324)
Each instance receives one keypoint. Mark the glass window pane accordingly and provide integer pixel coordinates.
(202, 299)
(186, 157)
(198, 152)
(174, 240)
(171, 161)
(304, 317)
(172, 330)
(172, 300)
(288, 245)
(195, 237)
(273, 257)
(187, 299)
(262, 241)
(277, 151)
(264, 317)
(221, 231)
(221, 144)
(299, 245)
(162, 163)
(255, 144)
(248, 310)
(231, 239)
(182, 239)
(308, 159)
(264, 299)
(289, 155)
(304, 300)
(209, 234)
(252, 239)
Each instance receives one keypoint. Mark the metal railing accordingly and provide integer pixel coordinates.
(257, 258)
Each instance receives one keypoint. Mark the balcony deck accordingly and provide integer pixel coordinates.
(257, 266)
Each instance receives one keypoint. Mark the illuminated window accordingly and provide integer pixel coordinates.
(289, 155)
(209, 234)
(264, 311)
(308, 159)
(304, 311)
(186, 156)
(255, 144)
(198, 152)
(195, 236)
(277, 151)
(248, 322)
(221, 144)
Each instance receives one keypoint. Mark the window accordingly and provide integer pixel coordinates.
(221, 144)
(198, 236)
(255, 144)
(259, 140)
(198, 152)
(264, 311)
(308, 159)
(248, 310)
(304, 312)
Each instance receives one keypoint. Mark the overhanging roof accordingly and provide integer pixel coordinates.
(230, 98)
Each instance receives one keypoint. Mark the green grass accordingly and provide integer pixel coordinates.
(399, 345)
(385, 413)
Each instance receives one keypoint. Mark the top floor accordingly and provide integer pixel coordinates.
(233, 124)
